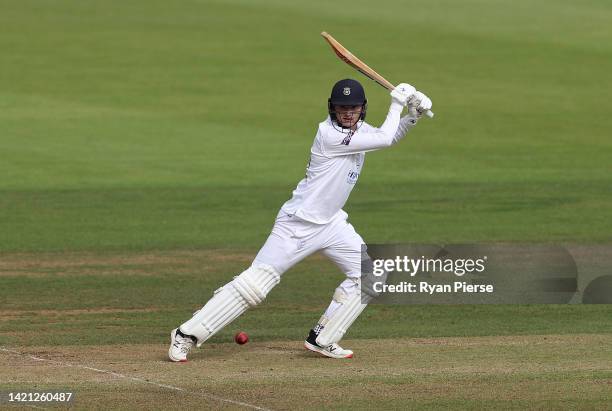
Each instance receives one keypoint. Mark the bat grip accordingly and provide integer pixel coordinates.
(429, 113)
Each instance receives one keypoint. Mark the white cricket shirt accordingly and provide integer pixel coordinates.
(336, 161)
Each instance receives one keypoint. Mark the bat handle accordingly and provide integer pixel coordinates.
(429, 113)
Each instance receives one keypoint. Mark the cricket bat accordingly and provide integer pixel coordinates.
(353, 61)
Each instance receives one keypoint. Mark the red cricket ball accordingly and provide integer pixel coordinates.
(241, 338)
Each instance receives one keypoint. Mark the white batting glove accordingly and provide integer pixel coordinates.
(402, 93)
(418, 104)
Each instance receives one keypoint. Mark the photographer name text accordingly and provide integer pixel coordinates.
(424, 287)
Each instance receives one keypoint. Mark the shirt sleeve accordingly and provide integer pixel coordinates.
(336, 143)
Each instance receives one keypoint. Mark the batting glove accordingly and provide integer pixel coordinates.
(418, 104)
(402, 93)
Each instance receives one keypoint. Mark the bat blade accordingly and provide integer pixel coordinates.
(349, 58)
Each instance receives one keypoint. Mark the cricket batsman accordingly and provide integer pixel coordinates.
(313, 220)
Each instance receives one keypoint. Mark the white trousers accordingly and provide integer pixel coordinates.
(293, 239)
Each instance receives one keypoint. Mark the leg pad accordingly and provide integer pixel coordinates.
(339, 321)
(230, 301)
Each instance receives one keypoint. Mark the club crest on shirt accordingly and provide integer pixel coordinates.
(352, 177)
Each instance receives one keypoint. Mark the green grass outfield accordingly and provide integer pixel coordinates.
(146, 125)
(146, 146)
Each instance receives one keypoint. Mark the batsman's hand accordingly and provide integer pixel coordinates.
(402, 93)
(418, 104)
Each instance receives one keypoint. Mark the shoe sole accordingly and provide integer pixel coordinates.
(324, 353)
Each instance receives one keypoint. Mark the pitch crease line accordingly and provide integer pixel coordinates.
(138, 379)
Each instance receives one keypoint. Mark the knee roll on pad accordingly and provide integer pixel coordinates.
(364, 286)
(255, 283)
(367, 287)
(228, 302)
(368, 279)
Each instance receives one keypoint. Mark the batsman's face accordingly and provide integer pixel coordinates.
(348, 116)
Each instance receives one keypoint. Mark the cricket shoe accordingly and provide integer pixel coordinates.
(180, 344)
(332, 350)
